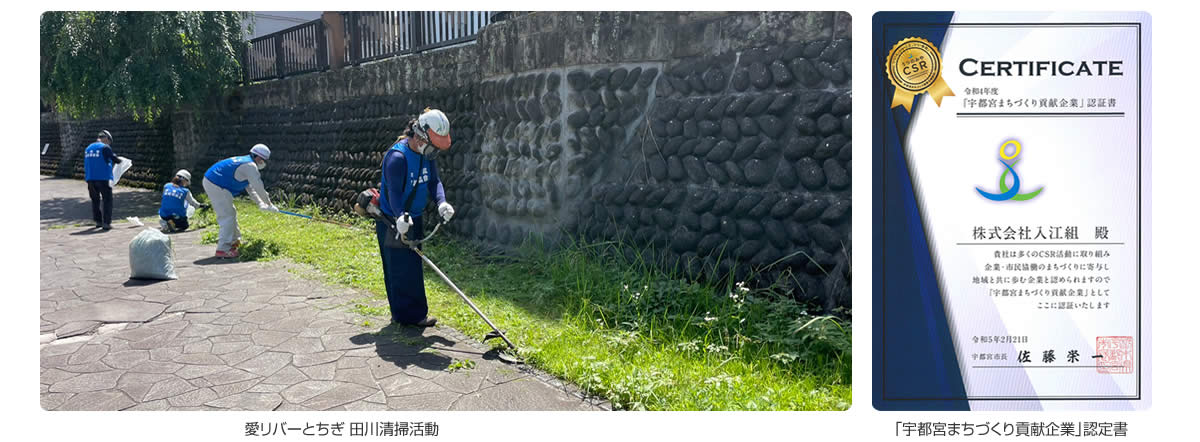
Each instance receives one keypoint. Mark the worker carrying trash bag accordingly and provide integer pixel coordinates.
(230, 177)
(176, 197)
(409, 175)
(98, 159)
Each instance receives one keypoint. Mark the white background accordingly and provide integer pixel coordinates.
(1176, 42)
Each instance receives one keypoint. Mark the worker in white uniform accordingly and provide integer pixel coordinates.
(230, 177)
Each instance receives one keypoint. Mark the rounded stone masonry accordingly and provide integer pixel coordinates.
(617, 78)
(760, 76)
(828, 124)
(780, 73)
(745, 148)
(836, 213)
(752, 157)
(738, 106)
(759, 104)
(810, 173)
(785, 175)
(837, 175)
(842, 104)
(632, 78)
(714, 79)
(759, 172)
(814, 103)
(578, 80)
(829, 146)
(825, 237)
(730, 129)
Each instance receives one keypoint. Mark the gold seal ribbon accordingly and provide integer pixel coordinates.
(914, 66)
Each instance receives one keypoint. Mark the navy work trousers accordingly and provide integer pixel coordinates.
(101, 193)
(181, 222)
(403, 276)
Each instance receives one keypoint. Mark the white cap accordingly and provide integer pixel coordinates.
(183, 173)
(261, 150)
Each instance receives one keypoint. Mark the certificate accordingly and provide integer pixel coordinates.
(1011, 211)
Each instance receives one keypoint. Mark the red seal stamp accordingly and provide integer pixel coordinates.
(1116, 354)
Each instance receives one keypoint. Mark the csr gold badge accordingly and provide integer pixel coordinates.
(914, 66)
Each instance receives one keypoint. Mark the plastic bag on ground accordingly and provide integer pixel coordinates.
(151, 256)
(120, 169)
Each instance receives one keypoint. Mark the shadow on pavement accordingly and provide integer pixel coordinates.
(497, 354)
(89, 231)
(65, 201)
(405, 347)
(214, 260)
(142, 282)
(66, 210)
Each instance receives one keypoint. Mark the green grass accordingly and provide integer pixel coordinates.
(461, 364)
(621, 330)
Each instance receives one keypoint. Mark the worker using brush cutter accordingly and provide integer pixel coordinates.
(409, 179)
(230, 177)
(400, 237)
(173, 214)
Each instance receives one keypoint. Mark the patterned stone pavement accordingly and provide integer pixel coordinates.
(243, 336)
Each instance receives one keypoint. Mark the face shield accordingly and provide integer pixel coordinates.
(432, 144)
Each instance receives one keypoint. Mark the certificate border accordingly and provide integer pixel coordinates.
(883, 259)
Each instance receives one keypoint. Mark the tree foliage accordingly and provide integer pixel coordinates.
(141, 63)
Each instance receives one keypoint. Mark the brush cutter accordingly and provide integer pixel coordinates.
(511, 355)
(314, 219)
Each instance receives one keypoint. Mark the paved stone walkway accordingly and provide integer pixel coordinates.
(66, 202)
(241, 335)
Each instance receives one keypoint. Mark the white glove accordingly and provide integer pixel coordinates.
(446, 210)
(268, 207)
(403, 222)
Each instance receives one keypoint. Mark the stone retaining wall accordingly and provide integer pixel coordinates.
(708, 141)
(149, 146)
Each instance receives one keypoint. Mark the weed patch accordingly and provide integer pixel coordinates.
(614, 325)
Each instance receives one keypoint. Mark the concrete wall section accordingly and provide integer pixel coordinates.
(447, 68)
(549, 39)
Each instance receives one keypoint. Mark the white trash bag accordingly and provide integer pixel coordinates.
(120, 169)
(151, 256)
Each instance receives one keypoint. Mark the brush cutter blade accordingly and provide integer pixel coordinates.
(506, 356)
(491, 335)
(509, 358)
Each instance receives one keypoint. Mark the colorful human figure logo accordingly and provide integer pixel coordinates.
(1010, 193)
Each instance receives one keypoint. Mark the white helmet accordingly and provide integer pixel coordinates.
(435, 128)
(183, 173)
(261, 150)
